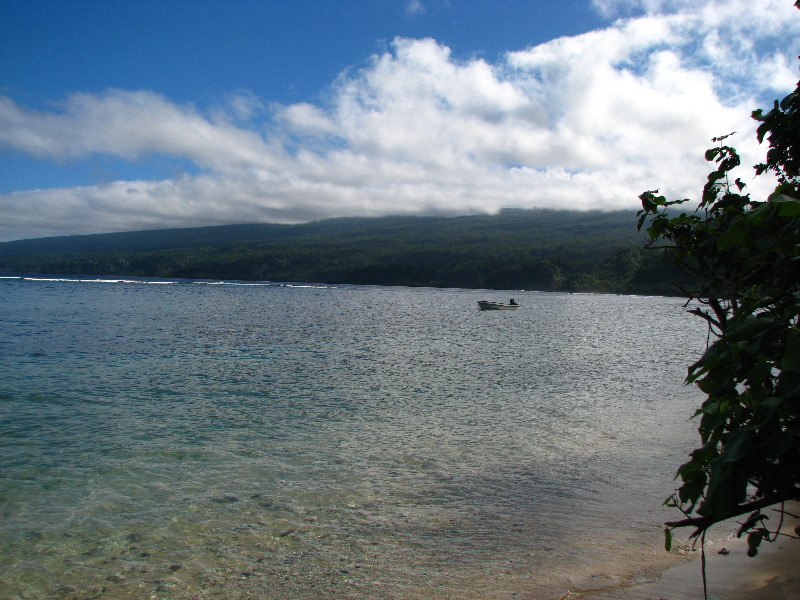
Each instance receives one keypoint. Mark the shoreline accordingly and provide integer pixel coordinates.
(730, 574)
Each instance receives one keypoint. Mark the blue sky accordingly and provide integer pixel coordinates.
(121, 115)
(287, 51)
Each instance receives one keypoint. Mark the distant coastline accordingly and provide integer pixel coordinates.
(536, 250)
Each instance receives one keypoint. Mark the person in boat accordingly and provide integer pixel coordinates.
(512, 303)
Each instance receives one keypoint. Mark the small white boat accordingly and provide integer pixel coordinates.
(487, 305)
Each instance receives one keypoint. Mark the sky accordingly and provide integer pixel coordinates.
(122, 116)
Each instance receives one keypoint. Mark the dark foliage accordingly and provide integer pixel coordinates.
(745, 256)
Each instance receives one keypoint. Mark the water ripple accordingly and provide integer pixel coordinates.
(313, 442)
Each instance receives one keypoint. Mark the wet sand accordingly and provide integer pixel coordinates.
(731, 575)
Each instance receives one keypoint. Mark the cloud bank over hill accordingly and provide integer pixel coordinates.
(583, 122)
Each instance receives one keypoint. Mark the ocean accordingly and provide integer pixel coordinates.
(201, 439)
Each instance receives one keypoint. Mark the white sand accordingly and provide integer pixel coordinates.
(772, 575)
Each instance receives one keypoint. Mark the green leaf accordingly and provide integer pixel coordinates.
(789, 207)
(737, 447)
(667, 539)
(747, 328)
(790, 360)
(734, 236)
(778, 445)
(768, 405)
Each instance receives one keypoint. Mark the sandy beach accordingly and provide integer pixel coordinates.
(730, 573)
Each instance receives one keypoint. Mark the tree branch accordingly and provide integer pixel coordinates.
(703, 523)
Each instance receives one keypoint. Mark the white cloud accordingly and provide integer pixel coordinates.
(588, 121)
(243, 105)
(414, 7)
(129, 125)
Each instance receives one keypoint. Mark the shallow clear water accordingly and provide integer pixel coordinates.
(198, 440)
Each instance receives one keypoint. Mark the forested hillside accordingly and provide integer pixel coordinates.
(517, 249)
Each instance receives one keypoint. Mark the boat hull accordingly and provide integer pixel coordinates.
(487, 305)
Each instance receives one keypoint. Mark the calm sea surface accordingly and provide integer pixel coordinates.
(218, 440)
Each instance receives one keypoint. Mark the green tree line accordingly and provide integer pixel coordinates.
(517, 249)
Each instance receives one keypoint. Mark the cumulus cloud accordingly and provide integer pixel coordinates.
(584, 122)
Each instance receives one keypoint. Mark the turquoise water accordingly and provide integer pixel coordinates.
(220, 440)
